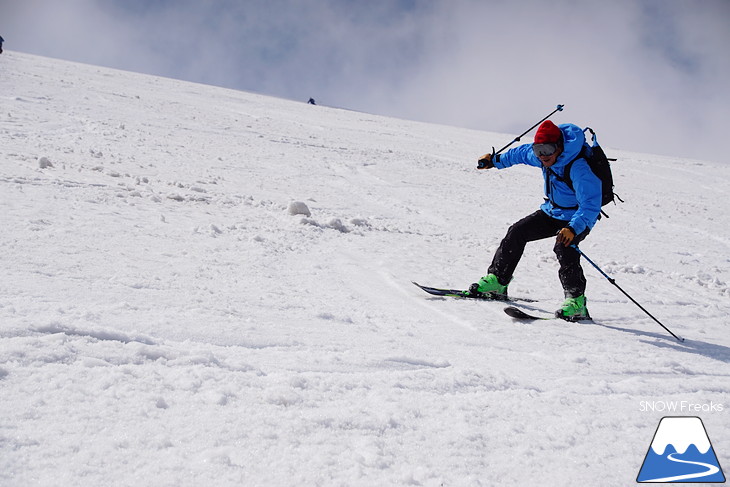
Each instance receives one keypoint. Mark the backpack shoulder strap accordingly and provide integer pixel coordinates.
(582, 154)
(569, 166)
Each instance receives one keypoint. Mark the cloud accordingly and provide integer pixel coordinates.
(501, 66)
(649, 75)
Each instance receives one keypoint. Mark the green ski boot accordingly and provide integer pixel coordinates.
(574, 309)
(489, 284)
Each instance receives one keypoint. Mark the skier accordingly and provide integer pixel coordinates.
(1, 44)
(567, 213)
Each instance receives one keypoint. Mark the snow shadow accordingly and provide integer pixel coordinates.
(698, 347)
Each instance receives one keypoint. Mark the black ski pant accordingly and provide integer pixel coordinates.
(538, 226)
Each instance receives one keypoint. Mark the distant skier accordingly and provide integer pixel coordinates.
(568, 213)
(1, 44)
(311, 101)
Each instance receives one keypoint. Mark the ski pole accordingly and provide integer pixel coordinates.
(613, 281)
(482, 165)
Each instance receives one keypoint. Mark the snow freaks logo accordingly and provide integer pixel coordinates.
(681, 452)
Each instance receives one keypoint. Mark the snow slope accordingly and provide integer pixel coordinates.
(166, 320)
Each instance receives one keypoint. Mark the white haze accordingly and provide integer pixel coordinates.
(650, 74)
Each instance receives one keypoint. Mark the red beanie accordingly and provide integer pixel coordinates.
(548, 133)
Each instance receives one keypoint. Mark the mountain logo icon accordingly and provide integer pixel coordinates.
(681, 452)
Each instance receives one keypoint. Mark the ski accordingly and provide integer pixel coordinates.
(458, 293)
(520, 315)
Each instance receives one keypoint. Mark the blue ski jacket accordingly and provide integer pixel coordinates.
(581, 206)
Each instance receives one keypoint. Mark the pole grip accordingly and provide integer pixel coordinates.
(482, 165)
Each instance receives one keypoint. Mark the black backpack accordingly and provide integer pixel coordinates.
(601, 167)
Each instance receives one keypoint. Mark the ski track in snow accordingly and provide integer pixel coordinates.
(165, 320)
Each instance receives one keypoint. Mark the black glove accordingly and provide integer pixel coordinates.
(485, 162)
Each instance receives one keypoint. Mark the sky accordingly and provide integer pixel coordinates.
(648, 75)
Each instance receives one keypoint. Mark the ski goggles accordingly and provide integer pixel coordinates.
(544, 149)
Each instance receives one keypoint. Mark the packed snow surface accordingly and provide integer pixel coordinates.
(209, 287)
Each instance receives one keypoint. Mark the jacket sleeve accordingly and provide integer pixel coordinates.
(522, 154)
(588, 189)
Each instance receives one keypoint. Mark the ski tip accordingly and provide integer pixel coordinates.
(516, 313)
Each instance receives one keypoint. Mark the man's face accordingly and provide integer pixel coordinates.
(547, 153)
(548, 161)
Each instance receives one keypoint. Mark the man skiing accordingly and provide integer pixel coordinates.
(567, 214)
